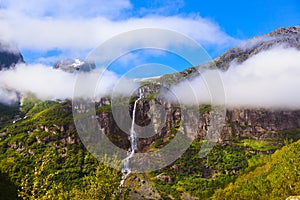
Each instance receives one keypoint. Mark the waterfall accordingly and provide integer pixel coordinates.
(126, 169)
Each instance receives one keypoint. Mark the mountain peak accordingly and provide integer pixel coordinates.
(73, 65)
(287, 37)
(285, 31)
(9, 55)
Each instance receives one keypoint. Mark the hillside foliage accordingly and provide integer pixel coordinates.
(42, 157)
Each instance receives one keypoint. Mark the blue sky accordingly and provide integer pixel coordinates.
(245, 19)
(239, 18)
(49, 30)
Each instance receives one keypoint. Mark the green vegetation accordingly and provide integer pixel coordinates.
(204, 108)
(7, 113)
(8, 190)
(43, 184)
(175, 78)
(145, 83)
(226, 160)
(243, 176)
(152, 96)
(277, 178)
(41, 157)
(200, 177)
(259, 145)
(290, 134)
(105, 108)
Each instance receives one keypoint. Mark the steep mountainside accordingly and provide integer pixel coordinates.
(276, 177)
(42, 156)
(9, 57)
(286, 37)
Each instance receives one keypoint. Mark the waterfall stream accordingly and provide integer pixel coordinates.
(126, 169)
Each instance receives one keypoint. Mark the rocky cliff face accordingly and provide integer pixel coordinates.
(253, 124)
(258, 123)
(240, 123)
(9, 56)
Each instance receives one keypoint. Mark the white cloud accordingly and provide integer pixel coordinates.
(269, 79)
(80, 26)
(31, 33)
(50, 84)
(43, 81)
(7, 97)
(44, 25)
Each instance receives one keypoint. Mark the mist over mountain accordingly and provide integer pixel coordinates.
(262, 72)
(287, 37)
(260, 64)
(54, 82)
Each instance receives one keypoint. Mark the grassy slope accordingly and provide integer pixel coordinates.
(28, 143)
(275, 177)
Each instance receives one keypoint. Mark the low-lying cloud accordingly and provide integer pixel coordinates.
(47, 83)
(269, 79)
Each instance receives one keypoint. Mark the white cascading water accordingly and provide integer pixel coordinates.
(126, 169)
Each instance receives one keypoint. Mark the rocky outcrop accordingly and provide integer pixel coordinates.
(140, 188)
(9, 56)
(165, 178)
